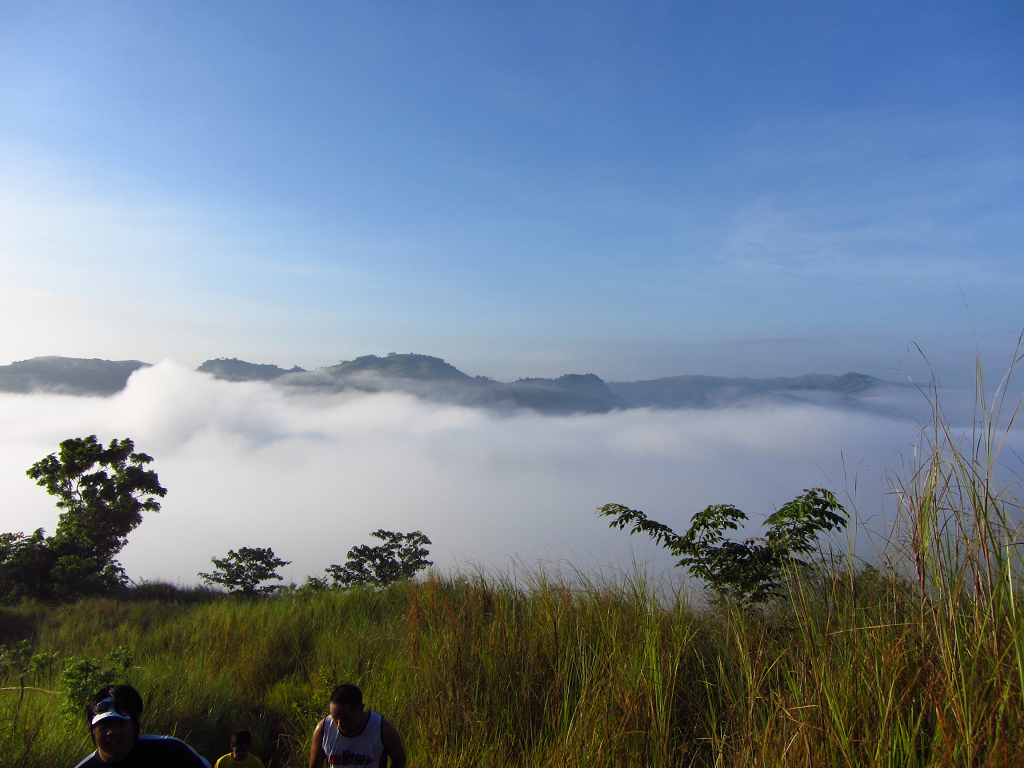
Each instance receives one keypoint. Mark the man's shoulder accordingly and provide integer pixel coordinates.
(154, 741)
(168, 746)
(92, 761)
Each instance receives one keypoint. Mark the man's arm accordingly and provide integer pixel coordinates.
(316, 752)
(393, 746)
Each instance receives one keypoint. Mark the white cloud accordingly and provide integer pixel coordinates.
(312, 475)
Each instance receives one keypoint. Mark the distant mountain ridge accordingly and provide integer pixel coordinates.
(233, 369)
(68, 375)
(707, 391)
(432, 378)
(409, 366)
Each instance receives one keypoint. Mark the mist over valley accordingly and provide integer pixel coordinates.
(309, 462)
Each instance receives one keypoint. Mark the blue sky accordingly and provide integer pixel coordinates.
(632, 189)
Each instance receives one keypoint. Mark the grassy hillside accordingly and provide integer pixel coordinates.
(860, 672)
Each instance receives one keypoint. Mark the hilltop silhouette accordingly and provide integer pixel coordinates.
(68, 375)
(431, 378)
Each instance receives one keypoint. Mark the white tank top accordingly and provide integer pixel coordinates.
(362, 750)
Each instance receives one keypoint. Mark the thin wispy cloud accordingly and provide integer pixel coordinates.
(881, 196)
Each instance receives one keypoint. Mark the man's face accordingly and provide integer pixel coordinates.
(348, 718)
(114, 738)
(239, 751)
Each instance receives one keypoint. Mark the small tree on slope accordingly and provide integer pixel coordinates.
(401, 556)
(243, 571)
(102, 493)
(751, 571)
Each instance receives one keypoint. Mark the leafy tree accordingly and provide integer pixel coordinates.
(751, 571)
(81, 678)
(16, 658)
(401, 556)
(102, 492)
(25, 564)
(243, 571)
(314, 585)
(19, 661)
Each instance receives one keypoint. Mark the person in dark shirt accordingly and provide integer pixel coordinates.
(114, 715)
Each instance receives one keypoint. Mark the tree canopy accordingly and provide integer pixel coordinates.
(102, 492)
(401, 556)
(750, 571)
(243, 572)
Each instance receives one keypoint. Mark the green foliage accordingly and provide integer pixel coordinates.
(40, 663)
(145, 591)
(81, 678)
(102, 493)
(314, 585)
(26, 561)
(751, 571)
(19, 661)
(16, 658)
(243, 571)
(122, 658)
(400, 557)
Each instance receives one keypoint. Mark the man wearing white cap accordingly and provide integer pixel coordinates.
(114, 721)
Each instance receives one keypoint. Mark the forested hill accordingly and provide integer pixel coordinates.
(709, 391)
(434, 379)
(68, 375)
(238, 370)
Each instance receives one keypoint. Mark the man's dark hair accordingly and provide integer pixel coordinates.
(347, 695)
(126, 699)
(241, 737)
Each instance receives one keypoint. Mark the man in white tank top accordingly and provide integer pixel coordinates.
(353, 736)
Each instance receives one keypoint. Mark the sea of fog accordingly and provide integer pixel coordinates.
(312, 475)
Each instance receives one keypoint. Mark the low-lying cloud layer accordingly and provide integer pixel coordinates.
(248, 464)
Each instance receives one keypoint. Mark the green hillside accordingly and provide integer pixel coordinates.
(68, 375)
(408, 366)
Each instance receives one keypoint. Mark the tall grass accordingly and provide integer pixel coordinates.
(918, 661)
